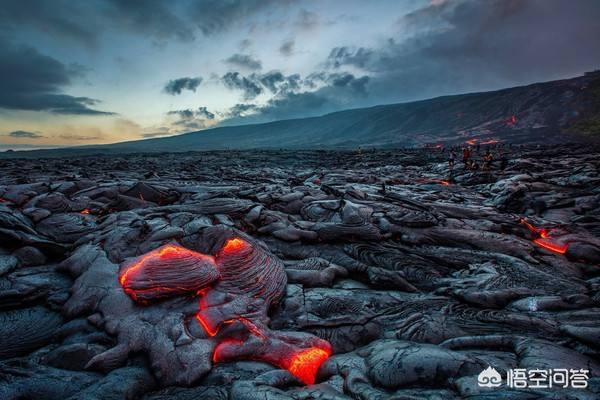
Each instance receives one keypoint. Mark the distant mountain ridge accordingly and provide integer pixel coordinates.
(551, 112)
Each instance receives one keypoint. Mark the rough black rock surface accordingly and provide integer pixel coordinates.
(417, 276)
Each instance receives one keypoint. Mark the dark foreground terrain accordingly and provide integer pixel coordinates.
(417, 280)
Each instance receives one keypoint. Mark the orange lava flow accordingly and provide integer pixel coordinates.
(167, 252)
(305, 364)
(441, 182)
(85, 211)
(471, 142)
(217, 352)
(490, 141)
(543, 239)
(555, 247)
(207, 326)
(234, 245)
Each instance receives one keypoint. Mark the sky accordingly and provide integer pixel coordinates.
(89, 72)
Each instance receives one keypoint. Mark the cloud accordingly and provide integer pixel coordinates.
(215, 16)
(30, 80)
(255, 84)
(344, 56)
(149, 17)
(249, 87)
(77, 138)
(201, 112)
(176, 86)
(25, 134)
(338, 91)
(449, 47)
(62, 18)
(287, 48)
(241, 110)
(189, 119)
(307, 20)
(295, 97)
(245, 44)
(244, 61)
(153, 135)
(85, 21)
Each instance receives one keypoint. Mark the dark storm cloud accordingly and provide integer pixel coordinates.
(30, 80)
(25, 134)
(152, 17)
(244, 61)
(327, 92)
(467, 45)
(340, 91)
(63, 18)
(255, 84)
(341, 56)
(249, 87)
(287, 48)
(176, 86)
(276, 82)
(84, 21)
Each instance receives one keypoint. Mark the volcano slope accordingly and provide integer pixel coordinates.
(297, 275)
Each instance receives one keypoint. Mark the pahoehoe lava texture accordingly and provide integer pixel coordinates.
(234, 275)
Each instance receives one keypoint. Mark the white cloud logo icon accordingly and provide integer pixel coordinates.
(489, 377)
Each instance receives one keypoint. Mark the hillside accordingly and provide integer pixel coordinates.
(550, 112)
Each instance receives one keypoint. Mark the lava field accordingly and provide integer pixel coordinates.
(373, 274)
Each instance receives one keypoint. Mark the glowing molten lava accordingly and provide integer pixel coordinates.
(490, 141)
(471, 142)
(86, 211)
(165, 254)
(543, 239)
(512, 120)
(233, 302)
(234, 245)
(208, 327)
(555, 247)
(305, 364)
